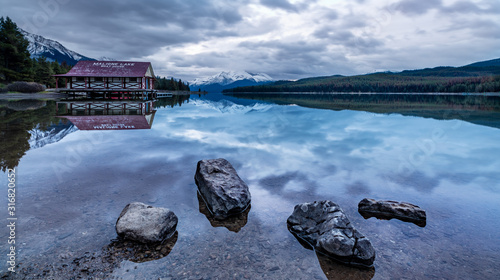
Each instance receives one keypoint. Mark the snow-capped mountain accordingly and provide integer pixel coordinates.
(53, 134)
(228, 107)
(229, 79)
(226, 78)
(52, 50)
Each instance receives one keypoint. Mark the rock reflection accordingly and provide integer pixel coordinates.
(381, 216)
(137, 252)
(337, 271)
(234, 223)
(98, 265)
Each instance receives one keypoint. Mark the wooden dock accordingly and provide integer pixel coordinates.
(96, 107)
(134, 94)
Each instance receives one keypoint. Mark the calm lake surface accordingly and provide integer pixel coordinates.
(72, 185)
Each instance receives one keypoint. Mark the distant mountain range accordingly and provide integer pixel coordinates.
(52, 50)
(488, 63)
(228, 80)
(477, 77)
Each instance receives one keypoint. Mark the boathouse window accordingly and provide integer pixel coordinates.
(133, 80)
(115, 80)
(98, 79)
(80, 79)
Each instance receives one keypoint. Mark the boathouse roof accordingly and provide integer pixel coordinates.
(110, 69)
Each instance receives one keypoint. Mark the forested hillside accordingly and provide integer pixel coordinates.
(440, 79)
(16, 63)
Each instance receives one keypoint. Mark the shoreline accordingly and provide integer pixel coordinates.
(19, 96)
(365, 93)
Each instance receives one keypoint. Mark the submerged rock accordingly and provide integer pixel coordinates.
(146, 224)
(325, 227)
(388, 209)
(221, 188)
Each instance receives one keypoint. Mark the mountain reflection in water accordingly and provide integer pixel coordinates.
(477, 109)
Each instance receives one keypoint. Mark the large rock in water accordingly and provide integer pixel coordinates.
(221, 188)
(146, 224)
(325, 227)
(388, 209)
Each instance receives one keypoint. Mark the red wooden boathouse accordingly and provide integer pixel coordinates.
(110, 79)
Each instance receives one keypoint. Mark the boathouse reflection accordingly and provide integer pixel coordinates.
(108, 115)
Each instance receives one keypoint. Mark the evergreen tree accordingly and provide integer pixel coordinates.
(56, 67)
(43, 72)
(62, 68)
(162, 83)
(65, 67)
(180, 85)
(173, 85)
(15, 62)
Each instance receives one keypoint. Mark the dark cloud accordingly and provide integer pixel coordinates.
(281, 50)
(132, 29)
(280, 4)
(286, 5)
(466, 7)
(353, 22)
(416, 7)
(365, 44)
(462, 7)
(330, 14)
(297, 58)
(209, 59)
(477, 27)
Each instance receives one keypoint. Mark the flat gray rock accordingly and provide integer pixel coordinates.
(325, 227)
(388, 209)
(221, 188)
(146, 224)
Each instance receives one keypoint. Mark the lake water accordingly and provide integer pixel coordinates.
(72, 184)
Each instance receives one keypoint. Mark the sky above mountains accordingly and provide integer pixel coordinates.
(286, 39)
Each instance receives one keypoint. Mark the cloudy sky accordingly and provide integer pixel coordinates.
(287, 39)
